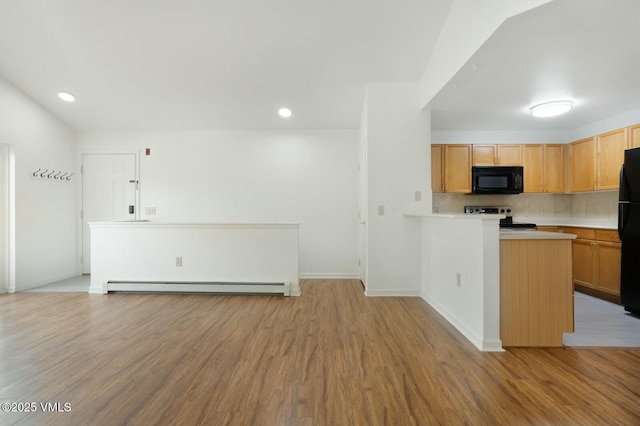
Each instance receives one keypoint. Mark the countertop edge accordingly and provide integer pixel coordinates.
(535, 235)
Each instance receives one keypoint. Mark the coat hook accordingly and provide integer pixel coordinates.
(35, 174)
(69, 177)
(57, 174)
(43, 174)
(50, 175)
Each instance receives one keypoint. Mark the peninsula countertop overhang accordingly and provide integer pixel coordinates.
(513, 234)
(150, 224)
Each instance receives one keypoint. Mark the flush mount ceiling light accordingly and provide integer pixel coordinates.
(66, 96)
(551, 109)
(284, 112)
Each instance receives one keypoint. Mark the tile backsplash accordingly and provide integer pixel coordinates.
(601, 204)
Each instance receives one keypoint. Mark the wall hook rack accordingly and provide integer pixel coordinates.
(52, 174)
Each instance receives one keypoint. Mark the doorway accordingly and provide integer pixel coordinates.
(109, 193)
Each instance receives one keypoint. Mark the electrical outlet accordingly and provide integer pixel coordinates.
(417, 196)
(179, 261)
(458, 279)
(380, 210)
(150, 211)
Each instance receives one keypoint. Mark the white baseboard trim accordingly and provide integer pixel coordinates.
(392, 293)
(485, 345)
(276, 287)
(328, 276)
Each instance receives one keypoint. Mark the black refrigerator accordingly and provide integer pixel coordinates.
(629, 231)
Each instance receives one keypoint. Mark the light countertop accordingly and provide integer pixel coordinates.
(577, 222)
(610, 223)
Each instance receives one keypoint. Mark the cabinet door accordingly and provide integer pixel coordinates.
(484, 155)
(610, 156)
(509, 155)
(584, 262)
(634, 136)
(457, 168)
(609, 255)
(437, 168)
(582, 165)
(554, 168)
(533, 163)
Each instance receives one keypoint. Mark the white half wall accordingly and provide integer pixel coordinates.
(42, 212)
(309, 177)
(179, 256)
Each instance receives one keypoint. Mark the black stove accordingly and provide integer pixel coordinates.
(506, 210)
(508, 222)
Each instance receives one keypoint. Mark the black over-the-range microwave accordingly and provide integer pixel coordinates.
(497, 179)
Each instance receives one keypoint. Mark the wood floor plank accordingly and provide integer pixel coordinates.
(329, 357)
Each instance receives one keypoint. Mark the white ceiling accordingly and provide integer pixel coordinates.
(230, 64)
(213, 64)
(587, 51)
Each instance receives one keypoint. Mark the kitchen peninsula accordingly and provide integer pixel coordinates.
(194, 257)
(536, 288)
(462, 278)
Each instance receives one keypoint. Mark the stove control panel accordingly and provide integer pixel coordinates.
(488, 210)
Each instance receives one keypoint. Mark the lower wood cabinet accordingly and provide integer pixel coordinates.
(536, 293)
(596, 262)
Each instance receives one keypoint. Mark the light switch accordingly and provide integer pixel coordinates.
(150, 211)
(418, 196)
(380, 210)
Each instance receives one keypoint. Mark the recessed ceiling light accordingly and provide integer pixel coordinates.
(551, 109)
(66, 96)
(284, 112)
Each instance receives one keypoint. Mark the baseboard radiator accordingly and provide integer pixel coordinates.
(258, 288)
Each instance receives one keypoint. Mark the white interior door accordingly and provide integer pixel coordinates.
(109, 193)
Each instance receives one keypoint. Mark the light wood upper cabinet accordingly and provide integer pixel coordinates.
(582, 165)
(457, 168)
(634, 136)
(533, 163)
(497, 155)
(484, 155)
(610, 156)
(543, 167)
(437, 168)
(554, 168)
(509, 155)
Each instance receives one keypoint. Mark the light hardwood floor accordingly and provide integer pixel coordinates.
(329, 357)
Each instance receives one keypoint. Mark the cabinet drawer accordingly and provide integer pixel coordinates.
(582, 233)
(607, 235)
(548, 228)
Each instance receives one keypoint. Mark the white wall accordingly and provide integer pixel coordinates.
(309, 177)
(42, 212)
(398, 159)
(606, 124)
